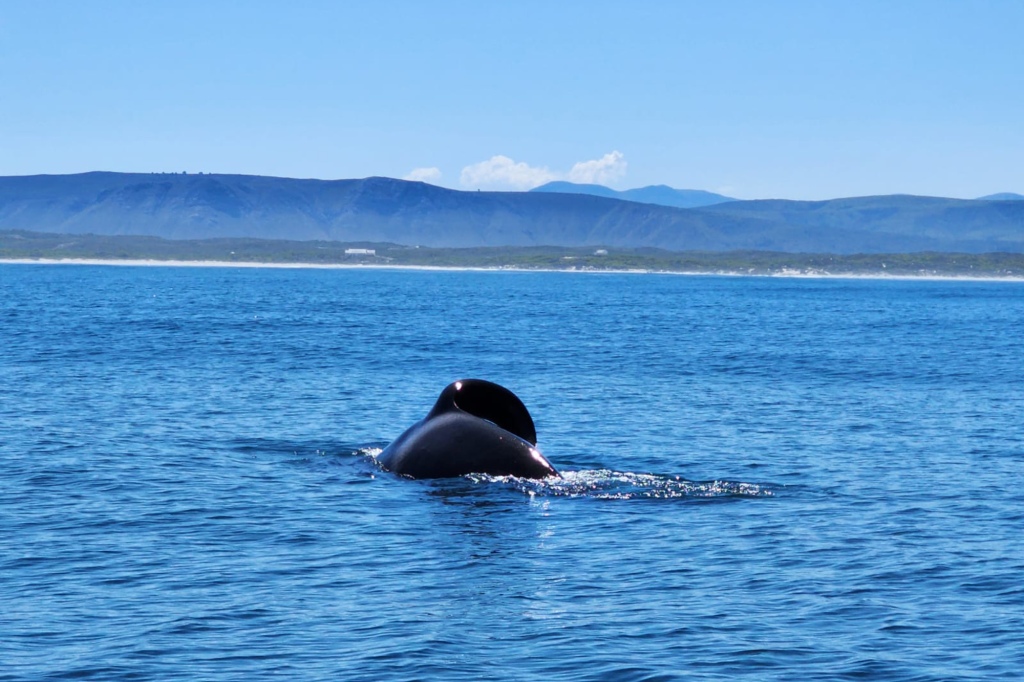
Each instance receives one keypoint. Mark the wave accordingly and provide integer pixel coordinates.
(608, 484)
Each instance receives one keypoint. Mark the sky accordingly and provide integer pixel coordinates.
(788, 99)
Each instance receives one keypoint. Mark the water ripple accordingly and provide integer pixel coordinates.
(605, 484)
(189, 486)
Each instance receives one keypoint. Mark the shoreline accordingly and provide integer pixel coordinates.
(790, 274)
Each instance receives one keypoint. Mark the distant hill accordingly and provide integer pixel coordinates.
(904, 223)
(1002, 196)
(178, 206)
(661, 195)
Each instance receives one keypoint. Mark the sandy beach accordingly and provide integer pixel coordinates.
(792, 274)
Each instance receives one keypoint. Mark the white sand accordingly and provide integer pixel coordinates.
(345, 266)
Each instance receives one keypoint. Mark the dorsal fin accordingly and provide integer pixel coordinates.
(488, 401)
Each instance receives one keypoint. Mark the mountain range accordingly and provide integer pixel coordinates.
(1003, 196)
(662, 195)
(180, 206)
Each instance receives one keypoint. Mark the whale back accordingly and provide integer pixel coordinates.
(474, 427)
(489, 401)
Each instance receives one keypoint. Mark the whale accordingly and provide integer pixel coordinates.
(475, 427)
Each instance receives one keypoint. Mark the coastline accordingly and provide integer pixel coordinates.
(789, 274)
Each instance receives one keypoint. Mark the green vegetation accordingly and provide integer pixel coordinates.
(37, 245)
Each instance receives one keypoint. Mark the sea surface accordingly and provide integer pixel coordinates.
(763, 478)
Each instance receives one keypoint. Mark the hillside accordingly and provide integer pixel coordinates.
(661, 195)
(412, 213)
(1002, 196)
(902, 223)
(373, 209)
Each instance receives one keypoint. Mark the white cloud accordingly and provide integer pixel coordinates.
(424, 175)
(607, 169)
(501, 172)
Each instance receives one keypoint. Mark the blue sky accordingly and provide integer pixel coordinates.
(801, 100)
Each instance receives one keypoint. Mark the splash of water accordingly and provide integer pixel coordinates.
(606, 484)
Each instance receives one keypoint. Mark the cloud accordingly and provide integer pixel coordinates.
(501, 172)
(424, 175)
(607, 169)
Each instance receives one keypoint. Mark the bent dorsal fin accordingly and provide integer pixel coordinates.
(489, 401)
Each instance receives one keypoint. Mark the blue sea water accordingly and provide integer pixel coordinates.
(767, 479)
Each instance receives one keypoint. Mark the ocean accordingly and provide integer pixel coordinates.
(763, 478)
